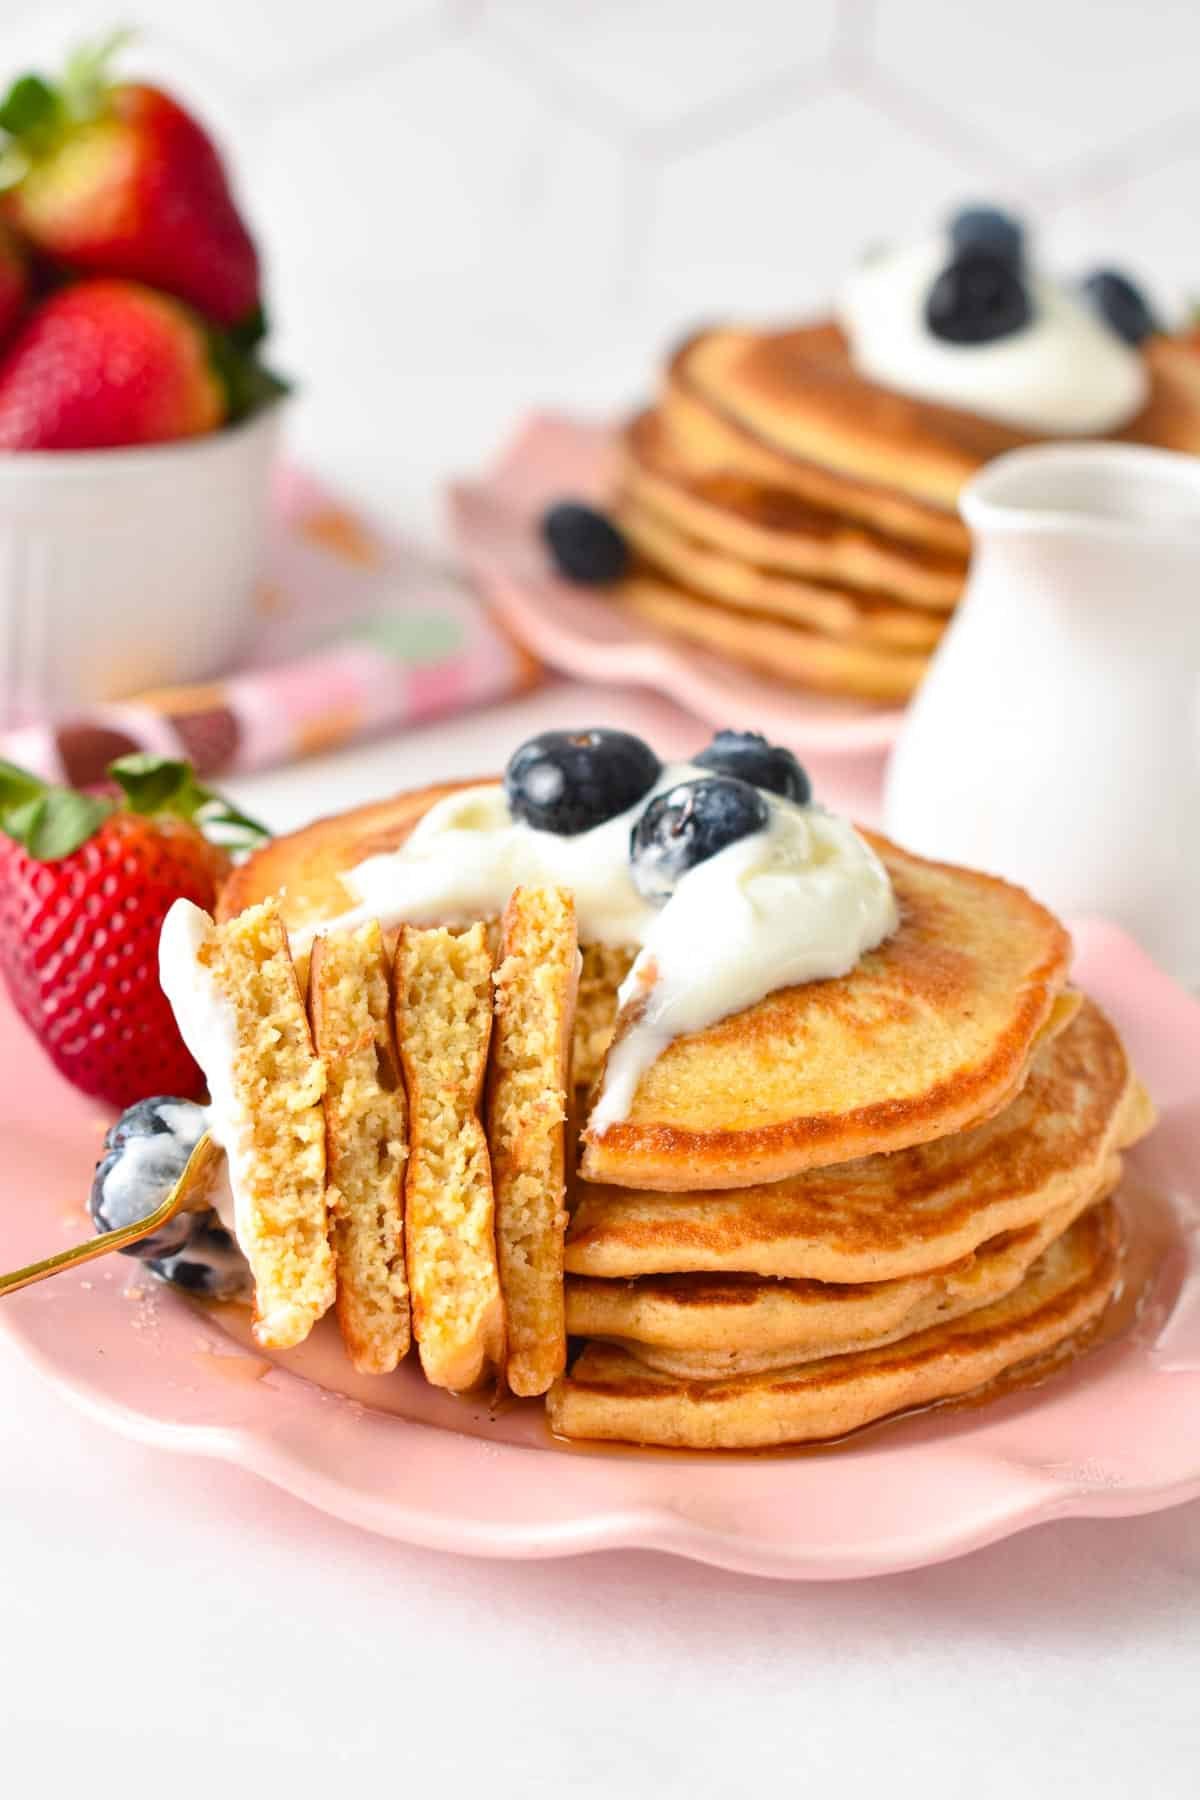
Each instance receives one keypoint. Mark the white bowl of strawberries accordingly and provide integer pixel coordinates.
(137, 422)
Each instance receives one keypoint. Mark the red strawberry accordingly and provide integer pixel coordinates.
(117, 179)
(85, 883)
(14, 282)
(109, 362)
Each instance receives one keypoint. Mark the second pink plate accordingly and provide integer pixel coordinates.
(1113, 1434)
(579, 631)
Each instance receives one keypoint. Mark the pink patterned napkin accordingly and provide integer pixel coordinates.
(355, 632)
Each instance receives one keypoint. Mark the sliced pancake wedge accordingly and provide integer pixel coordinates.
(443, 986)
(366, 1136)
(610, 1394)
(860, 670)
(881, 1218)
(769, 529)
(706, 1326)
(928, 1034)
(529, 1093)
(269, 1100)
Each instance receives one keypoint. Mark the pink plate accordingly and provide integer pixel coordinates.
(578, 630)
(1113, 1434)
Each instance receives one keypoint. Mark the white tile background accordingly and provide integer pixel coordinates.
(471, 206)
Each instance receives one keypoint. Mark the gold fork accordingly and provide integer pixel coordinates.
(191, 1193)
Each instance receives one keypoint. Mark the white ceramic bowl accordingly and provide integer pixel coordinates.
(122, 570)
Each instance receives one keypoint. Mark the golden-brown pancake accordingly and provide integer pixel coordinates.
(787, 651)
(851, 615)
(705, 1326)
(928, 1034)
(771, 529)
(611, 1394)
(798, 393)
(881, 1218)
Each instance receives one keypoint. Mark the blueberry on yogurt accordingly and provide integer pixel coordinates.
(571, 781)
(145, 1153)
(209, 1263)
(978, 298)
(686, 825)
(749, 756)
(987, 228)
(1121, 305)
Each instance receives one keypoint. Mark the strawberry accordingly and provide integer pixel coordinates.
(14, 282)
(109, 362)
(115, 178)
(85, 883)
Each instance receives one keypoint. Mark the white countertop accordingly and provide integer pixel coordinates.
(165, 1627)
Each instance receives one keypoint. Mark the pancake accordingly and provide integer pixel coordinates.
(927, 1035)
(529, 1088)
(861, 671)
(706, 1326)
(705, 437)
(797, 392)
(851, 615)
(772, 529)
(366, 1143)
(882, 1218)
(443, 1029)
(611, 1394)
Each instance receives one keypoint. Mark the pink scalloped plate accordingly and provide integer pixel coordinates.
(1115, 1433)
(579, 631)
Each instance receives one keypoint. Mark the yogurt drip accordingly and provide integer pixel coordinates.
(1064, 373)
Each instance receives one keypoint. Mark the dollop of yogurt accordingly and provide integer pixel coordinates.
(1065, 373)
(801, 900)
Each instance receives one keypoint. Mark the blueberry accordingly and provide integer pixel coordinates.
(686, 825)
(1121, 305)
(977, 297)
(569, 781)
(986, 228)
(208, 1263)
(749, 756)
(146, 1152)
(585, 543)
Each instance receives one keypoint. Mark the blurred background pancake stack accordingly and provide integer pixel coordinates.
(787, 512)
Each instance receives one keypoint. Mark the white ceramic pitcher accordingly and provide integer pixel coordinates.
(1056, 739)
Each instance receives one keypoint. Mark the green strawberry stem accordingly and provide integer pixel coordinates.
(51, 822)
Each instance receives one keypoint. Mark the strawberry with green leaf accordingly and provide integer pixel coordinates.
(86, 880)
(116, 178)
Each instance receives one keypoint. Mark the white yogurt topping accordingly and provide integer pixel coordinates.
(800, 901)
(1065, 372)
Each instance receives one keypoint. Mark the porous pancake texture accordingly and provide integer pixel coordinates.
(278, 1082)
(443, 1027)
(366, 1127)
(528, 1101)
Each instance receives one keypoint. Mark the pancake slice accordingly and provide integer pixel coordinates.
(788, 651)
(611, 1394)
(366, 1137)
(443, 983)
(770, 528)
(529, 1091)
(880, 1218)
(277, 1153)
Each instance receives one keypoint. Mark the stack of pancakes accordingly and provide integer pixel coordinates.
(858, 1196)
(789, 513)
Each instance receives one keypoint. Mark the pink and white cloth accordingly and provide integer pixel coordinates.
(354, 632)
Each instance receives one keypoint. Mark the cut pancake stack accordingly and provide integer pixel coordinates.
(858, 1196)
(789, 514)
